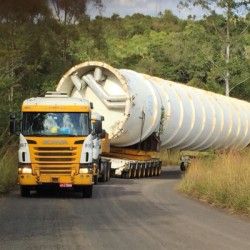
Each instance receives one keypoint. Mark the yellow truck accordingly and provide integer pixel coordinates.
(61, 143)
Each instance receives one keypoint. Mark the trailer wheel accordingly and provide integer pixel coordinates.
(150, 171)
(183, 167)
(143, 170)
(159, 169)
(126, 174)
(87, 191)
(147, 170)
(138, 171)
(25, 191)
(133, 171)
(129, 174)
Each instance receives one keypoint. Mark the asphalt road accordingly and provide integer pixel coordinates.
(124, 214)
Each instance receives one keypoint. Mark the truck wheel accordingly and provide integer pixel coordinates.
(25, 191)
(108, 172)
(96, 179)
(103, 175)
(87, 191)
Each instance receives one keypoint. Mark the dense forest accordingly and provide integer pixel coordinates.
(40, 40)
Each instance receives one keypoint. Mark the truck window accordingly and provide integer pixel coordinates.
(55, 124)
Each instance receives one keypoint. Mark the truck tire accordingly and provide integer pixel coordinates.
(87, 191)
(103, 174)
(108, 172)
(25, 191)
(96, 179)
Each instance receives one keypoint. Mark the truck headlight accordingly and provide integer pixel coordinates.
(25, 170)
(86, 169)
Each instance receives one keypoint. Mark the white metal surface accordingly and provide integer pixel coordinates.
(135, 105)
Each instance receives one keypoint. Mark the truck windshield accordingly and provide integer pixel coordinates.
(55, 124)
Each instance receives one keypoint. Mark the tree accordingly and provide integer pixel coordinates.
(226, 19)
(71, 12)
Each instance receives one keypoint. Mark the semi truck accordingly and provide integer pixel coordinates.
(61, 141)
(145, 114)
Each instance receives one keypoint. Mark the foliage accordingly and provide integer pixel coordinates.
(223, 180)
(41, 41)
(8, 162)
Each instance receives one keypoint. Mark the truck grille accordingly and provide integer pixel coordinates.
(55, 170)
(55, 154)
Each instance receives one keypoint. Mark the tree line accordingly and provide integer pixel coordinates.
(40, 40)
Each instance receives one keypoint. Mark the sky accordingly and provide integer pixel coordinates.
(146, 7)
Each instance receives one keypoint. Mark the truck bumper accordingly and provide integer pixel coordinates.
(30, 179)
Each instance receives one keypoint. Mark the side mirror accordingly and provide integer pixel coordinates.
(12, 123)
(97, 127)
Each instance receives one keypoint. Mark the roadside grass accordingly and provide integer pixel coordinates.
(8, 163)
(170, 157)
(222, 180)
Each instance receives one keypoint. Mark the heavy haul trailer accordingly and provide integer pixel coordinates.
(60, 144)
(144, 113)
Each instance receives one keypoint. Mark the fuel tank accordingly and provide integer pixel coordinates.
(137, 105)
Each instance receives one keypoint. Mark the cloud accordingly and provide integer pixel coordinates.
(146, 7)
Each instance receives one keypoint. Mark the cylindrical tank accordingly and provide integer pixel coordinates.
(136, 105)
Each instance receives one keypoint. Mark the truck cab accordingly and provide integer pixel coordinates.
(59, 144)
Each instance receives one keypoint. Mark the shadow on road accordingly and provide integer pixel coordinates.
(168, 173)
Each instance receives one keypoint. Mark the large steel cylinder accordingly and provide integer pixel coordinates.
(136, 105)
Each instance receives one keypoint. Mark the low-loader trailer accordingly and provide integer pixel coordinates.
(144, 114)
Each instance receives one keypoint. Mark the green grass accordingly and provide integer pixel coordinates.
(222, 179)
(8, 163)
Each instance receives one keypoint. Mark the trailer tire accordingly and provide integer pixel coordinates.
(143, 171)
(159, 170)
(147, 170)
(183, 168)
(25, 191)
(138, 171)
(133, 171)
(87, 191)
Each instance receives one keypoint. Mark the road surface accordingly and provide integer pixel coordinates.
(124, 214)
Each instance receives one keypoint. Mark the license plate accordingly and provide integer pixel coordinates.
(65, 185)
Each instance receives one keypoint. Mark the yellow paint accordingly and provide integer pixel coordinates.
(79, 179)
(55, 108)
(132, 154)
(66, 167)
